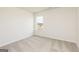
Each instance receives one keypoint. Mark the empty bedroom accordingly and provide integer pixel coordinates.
(39, 29)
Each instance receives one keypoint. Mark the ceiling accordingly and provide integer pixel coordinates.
(35, 9)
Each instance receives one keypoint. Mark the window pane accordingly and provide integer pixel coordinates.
(40, 19)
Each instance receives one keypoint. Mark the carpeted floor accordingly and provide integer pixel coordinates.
(40, 44)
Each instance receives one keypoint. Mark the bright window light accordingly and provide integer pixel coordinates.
(39, 19)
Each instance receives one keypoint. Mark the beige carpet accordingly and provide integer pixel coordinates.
(40, 44)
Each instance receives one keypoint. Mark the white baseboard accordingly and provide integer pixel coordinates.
(55, 38)
(12, 41)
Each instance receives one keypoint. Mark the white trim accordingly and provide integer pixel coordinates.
(55, 38)
(4, 44)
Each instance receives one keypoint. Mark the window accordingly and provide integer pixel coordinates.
(40, 19)
(40, 22)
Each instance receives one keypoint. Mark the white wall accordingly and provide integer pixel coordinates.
(77, 11)
(60, 23)
(15, 24)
